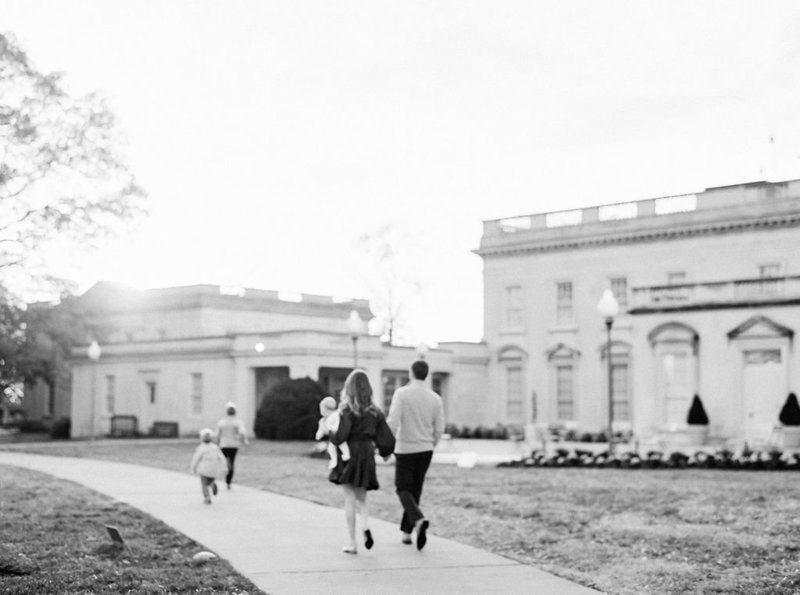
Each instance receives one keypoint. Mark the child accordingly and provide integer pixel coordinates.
(329, 423)
(209, 463)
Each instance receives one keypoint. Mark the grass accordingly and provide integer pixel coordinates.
(620, 531)
(54, 541)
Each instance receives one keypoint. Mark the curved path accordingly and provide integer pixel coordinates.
(287, 545)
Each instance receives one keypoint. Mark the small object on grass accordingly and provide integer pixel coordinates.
(202, 557)
(467, 460)
(115, 535)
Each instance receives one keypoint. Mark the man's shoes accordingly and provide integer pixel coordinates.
(214, 488)
(368, 541)
(422, 537)
(407, 538)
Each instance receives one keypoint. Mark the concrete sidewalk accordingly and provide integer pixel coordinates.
(287, 545)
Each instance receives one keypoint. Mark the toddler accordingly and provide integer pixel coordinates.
(329, 423)
(209, 463)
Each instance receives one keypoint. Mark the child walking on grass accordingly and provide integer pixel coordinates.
(209, 463)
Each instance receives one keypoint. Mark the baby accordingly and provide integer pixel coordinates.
(329, 423)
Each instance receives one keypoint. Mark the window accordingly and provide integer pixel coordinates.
(620, 394)
(514, 394)
(771, 272)
(197, 393)
(439, 383)
(514, 307)
(564, 301)
(110, 392)
(676, 278)
(151, 391)
(619, 287)
(392, 380)
(565, 393)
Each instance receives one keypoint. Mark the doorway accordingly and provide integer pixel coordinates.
(764, 388)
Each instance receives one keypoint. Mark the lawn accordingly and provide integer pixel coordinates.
(621, 531)
(54, 541)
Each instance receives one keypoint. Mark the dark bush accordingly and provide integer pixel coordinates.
(290, 410)
(61, 428)
(790, 412)
(31, 425)
(452, 430)
(586, 437)
(697, 414)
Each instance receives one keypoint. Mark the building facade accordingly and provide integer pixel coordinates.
(179, 354)
(709, 291)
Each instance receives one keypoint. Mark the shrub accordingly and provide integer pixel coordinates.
(790, 412)
(451, 429)
(290, 410)
(697, 414)
(31, 425)
(61, 428)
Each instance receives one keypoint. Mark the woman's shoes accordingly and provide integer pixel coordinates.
(350, 549)
(368, 542)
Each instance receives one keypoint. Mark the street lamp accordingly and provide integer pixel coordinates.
(608, 308)
(94, 352)
(356, 326)
(422, 350)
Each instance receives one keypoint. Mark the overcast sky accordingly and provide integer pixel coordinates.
(270, 135)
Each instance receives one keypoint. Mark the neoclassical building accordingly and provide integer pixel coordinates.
(179, 354)
(709, 291)
(708, 286)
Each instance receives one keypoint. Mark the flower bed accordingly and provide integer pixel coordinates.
(723, 459)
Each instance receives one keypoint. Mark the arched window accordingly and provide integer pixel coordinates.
(675, 348)
(512, 364)
(621, 385)
(563, 364)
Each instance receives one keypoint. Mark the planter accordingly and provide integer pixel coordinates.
(790, 436)
(696, 435)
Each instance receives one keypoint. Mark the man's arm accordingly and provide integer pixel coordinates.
(393, 419)
(438, 421)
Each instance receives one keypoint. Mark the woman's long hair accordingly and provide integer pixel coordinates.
(359, 392)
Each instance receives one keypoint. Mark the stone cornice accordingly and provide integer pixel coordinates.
(531, 245)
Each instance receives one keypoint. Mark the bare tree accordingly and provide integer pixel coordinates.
(390, 277)
(60, 175)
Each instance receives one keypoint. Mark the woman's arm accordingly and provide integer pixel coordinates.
(343, 431)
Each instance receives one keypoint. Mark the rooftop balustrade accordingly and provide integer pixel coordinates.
(742, 199)
(716, 294)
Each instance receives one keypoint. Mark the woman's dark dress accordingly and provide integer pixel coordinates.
(359, 432)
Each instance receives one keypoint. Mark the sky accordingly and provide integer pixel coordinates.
(271, 135)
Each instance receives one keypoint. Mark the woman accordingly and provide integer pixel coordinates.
(360, 422)
(230, 435)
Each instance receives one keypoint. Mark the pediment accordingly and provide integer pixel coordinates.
(760, 327)
(512, 353)
(562, 351)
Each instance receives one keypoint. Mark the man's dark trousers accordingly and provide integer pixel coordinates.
(409, 475)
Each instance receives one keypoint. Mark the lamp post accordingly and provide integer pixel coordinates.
(608, 308)
(422, 350)
(93, 352)
(356, 326)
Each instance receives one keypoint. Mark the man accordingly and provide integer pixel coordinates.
(416, 418)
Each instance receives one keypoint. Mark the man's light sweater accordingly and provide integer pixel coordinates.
(416, 418)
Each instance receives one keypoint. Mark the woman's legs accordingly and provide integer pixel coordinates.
(363, 510)
(230, 455)
(350, 516)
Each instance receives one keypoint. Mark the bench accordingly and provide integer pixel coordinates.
(165, 429)
(124, 426)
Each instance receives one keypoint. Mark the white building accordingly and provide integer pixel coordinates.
(179, 354)
(709, 289)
